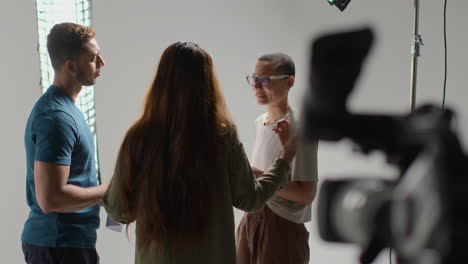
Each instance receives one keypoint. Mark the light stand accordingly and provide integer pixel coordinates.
(415, 46)
(414, 52)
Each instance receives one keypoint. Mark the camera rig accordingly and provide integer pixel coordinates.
(422, 214)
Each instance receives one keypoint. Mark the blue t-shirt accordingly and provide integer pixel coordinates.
(57, 132)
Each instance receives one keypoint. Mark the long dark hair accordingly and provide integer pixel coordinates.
(173, 148)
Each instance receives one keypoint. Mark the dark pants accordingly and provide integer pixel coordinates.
(266, 238)
(57, 255)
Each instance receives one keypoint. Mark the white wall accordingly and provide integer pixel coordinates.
(132, 37)
(19, 72)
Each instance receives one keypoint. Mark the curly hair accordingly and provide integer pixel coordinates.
(65, 41)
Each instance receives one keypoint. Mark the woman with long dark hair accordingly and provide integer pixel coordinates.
(181, 167)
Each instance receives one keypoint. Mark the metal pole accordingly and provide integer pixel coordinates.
(415, 47)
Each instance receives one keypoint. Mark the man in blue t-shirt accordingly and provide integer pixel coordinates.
(61, 183)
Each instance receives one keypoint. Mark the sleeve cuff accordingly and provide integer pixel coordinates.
(64, 161)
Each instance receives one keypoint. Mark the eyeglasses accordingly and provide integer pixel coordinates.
(263, 80)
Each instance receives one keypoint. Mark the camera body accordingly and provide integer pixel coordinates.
(422, 214)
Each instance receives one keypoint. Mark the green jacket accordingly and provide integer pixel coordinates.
(236, 186)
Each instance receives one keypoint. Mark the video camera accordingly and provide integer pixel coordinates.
(423, 214)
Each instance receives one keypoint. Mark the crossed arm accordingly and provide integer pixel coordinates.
(299, 191)
(302, 192)
(53, 194)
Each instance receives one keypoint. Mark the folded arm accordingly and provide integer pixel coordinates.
(302, 192)
(299, 191)
(250, 193)
(54, 194)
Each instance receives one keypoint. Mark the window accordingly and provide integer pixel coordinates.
(49, 13)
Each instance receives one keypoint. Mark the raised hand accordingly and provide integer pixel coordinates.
(257, 172)
(288, 138)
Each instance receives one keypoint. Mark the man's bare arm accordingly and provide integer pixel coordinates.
(53, 194)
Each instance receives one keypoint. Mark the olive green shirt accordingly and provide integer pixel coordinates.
(236, 186)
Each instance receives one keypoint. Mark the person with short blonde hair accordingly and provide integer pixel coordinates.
(277, 234)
